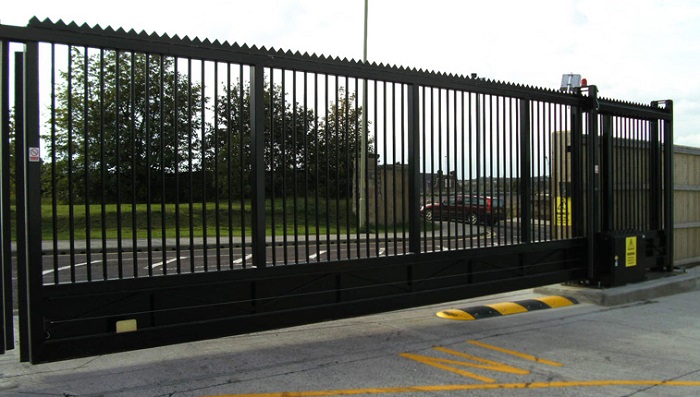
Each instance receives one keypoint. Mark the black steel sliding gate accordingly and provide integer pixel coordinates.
(158, 190)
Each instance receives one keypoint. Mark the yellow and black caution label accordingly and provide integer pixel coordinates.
(507, 308)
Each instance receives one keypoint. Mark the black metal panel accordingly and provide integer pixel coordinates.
(81, 318)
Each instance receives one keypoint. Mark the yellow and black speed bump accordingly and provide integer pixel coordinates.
(507, 308)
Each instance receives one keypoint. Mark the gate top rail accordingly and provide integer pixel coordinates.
(120, 39)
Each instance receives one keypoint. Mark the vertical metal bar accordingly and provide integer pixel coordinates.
(592, 192)
(257, 129)
(339, 140)
(132, 127)
(118, 155)
(149, 142)
(385, 187)
(229, 156)
(295, 170)
(71, 193)
(21, 211)
(349, 143)
(395, 207)
(283, 163)
(103, 165)
(376, 172)
(327, 159)
(241, 167)
(163, 175)
(306, 166)
(32, 197)
(176, 163)
(414, 169)
(577, 173)
(668, 185)
(242, 155)
(655, 177)
(422, 131)
(317, 171)
(608, 205)
(54, 174)
(217, 144)
(480, 154)
(273, 221)
(439, 161)
(472, 127)
(203, 167)
(525, 173)
(86, 163)
(7, 320)
(190, 160)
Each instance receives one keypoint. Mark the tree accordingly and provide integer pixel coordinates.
(123, 122)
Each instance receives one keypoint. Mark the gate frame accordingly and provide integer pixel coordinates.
(404, 281)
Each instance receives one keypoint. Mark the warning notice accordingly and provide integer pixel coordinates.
(631, 251)
(563, 211)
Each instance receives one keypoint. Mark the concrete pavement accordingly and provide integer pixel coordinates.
(649, 341)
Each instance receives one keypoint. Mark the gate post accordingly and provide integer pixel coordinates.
(668, 186)
(606, 173)
(413, 168)
(592, 198)
(29, 250)
(257, 130)
(525, 164)
(6, 321)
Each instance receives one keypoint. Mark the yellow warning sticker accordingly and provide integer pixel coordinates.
(631, 251)
(563, 211)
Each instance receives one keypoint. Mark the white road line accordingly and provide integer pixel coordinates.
(159, 264)
(240, 260)
(45, 272)
(316, 255)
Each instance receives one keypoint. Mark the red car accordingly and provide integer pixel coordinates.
(469, 209)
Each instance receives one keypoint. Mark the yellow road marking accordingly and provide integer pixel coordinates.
(524, 356)
(478, 362)
(480, 386)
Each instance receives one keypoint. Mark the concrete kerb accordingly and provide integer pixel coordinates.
(658, 285)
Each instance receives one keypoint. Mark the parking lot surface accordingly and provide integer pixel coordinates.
(645, 347)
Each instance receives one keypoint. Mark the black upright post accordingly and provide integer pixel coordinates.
(668, 185)
(6, 322)
(525, 172)
(414, 168)
(607, 174)
(257, 130)
(655, 186)
(592, 200)
(29, 251)
(578, 219)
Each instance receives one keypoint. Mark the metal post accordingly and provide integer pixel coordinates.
(257, 130)
(6, 321)
(578, 172)
(655, 188)
(414, 168)
(363, 137)
(668, 185)
(593, 203)
(28, 181)
(525, 172)
(607, 174)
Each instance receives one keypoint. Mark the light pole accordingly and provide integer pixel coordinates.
(363, 136)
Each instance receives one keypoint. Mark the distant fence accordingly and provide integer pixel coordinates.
(686, 200)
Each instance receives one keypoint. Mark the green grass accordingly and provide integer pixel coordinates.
(308, 217)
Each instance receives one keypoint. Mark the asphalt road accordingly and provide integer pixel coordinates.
(643, 349)
(80, 267)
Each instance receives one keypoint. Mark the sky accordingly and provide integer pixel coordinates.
(636, 51)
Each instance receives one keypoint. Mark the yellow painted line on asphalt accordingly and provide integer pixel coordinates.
(524, 356)
(467, 387)
(506, 308)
